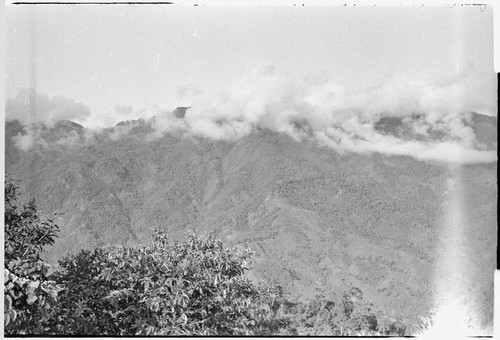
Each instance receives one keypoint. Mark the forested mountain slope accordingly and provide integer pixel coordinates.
(316, 219)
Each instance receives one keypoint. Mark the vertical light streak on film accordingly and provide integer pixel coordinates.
(32, 63)
(452, 314)
(32, 97)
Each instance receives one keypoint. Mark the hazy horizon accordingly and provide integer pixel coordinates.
(151, 58)
(329, 73)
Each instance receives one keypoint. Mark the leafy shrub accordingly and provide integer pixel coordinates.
(28, 295)
(166, 288)
(349, 315)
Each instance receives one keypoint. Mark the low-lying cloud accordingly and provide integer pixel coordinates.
(344, 118)
(41, 137)
(432, 117)
(48, 109)
(48, 112)
(28, 141)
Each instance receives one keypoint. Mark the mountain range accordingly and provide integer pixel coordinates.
(316, 219)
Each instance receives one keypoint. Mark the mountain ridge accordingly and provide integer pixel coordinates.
(314, 217)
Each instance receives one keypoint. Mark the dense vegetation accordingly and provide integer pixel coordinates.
(28, 294)
(314, 218)
(196, 287)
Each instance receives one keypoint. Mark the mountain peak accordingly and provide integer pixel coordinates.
(180, 111)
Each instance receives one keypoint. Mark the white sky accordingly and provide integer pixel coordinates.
(105, 56)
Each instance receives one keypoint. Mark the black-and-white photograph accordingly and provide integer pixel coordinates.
(296, 170)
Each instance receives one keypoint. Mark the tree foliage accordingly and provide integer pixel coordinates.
(28, 294)
(347, 315)
(165, 288)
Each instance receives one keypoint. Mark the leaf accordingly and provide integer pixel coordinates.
(7, 302)
(31, 299)
(20, 281)
(34, 284)
(78, 311)
(13, 315)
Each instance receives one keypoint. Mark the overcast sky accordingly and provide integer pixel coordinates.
(141, 58)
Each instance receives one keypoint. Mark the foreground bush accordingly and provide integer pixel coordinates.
(195, 287)
(29, 297)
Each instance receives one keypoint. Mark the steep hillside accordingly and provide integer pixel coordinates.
(316, 219)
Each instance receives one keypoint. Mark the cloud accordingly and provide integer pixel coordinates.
(29, 140)
(119, 131)
(42, 137)
(431, 117)
(450, 152)
(24, 142)
(49, 112)
(119, 113)
(435, 113)
(71, 139)
(48, 109)
(165, 122)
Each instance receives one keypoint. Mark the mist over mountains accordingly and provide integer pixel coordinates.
(352, 148)
(432, 117)
(361, 210)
